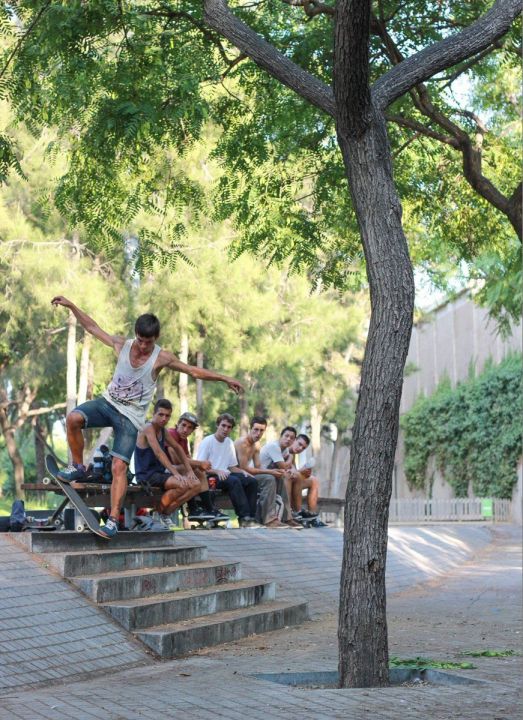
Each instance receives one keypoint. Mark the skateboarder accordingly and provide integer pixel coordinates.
(124, 404)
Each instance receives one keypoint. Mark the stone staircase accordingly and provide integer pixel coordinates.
(172, 598)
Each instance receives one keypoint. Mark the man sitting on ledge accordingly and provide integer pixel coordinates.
(154, 467)
(186, 425)
(242, 487)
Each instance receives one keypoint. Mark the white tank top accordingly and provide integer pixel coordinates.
(131, 389)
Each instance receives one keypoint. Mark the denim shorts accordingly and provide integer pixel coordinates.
(99, 413)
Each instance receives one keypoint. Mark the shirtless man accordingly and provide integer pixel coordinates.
(155, 468)
(270, 482)
(124, 404)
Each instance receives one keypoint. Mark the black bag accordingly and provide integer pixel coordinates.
(17, 519)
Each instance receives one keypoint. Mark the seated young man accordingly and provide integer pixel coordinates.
(275, 455)
(186, 425)
(218, 449)
(154, 467)
(306, 481)
(270, 481)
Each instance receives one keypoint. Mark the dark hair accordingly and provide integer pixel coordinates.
(225, 416)
(305, 437)
(289, 428)
(147, 326)
(163, 403)
(258, 419)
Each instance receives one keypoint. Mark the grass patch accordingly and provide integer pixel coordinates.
(419, 663)
(489, 653)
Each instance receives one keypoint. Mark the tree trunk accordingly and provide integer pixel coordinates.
(40, 434)
(244, 414)
(83, 381)
(316, 420)
(334, 463)
(14, 456)
(198, 433)
(71, 368)
(362, 632)
(183, 379)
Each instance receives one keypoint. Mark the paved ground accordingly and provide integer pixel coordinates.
(470, 600)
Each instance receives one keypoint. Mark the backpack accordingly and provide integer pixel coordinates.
(101, 469)
(18, 518)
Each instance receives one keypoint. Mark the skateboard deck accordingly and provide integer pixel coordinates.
(74, 498)
(208, 524)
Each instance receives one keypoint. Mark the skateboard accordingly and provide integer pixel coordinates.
(197, 524)
(74, 498)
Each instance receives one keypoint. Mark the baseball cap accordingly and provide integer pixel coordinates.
(190, 417)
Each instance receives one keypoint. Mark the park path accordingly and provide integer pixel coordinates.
(470, 599)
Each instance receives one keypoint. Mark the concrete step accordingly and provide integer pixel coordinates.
(77, 564)
(58, 541)
(160, 610)
(130, 584)
(176, 640)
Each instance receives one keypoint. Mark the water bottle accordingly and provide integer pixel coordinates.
(98, 461)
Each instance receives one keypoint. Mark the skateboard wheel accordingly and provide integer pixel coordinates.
(46, 480)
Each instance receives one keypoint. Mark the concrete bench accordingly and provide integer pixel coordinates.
(97, 495)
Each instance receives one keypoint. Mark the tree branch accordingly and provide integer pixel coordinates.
(444, 54)
(218, 17)
(423, 130)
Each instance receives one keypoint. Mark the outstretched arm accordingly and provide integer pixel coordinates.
(87, 322)
(166, 359)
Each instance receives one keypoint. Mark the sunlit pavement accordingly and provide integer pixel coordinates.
(451, 589)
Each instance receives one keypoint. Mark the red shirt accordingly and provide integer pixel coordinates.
(173, 432)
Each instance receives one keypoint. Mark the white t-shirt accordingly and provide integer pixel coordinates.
(221, 455)
(271, 453)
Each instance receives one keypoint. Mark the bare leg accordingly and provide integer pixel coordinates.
(312, 484)
(75, 437)
(119, 485)
(176, 494)
(296, 493)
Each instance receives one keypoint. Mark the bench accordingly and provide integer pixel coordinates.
(97, 495)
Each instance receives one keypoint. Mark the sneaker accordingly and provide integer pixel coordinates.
(219, 515)
(248, 522)
(110, 529)
(165, 521)
(201, 514)
(304, 515)
(72, 473)
(317, 523)
(276, 525)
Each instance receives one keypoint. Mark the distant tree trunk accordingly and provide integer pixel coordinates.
(183, 379)
(316, 420)
(83, 380)
(334, 464)
(11, 446)
(71, 368)
(198, 435)
(244, 414)
(40, 434)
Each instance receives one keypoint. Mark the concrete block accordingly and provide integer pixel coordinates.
(144, 613)
(145, 583)
(55, 542)
(93, 563)
(170, 641)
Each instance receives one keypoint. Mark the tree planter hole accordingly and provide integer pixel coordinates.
(328, 679)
